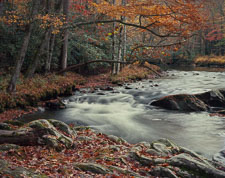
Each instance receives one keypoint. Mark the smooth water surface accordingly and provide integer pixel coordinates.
(127, 112)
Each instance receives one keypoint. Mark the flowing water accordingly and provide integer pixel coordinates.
(127, 112)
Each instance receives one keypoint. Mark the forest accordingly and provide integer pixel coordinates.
(110, 88)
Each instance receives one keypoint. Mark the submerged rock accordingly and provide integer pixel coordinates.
(181, 102)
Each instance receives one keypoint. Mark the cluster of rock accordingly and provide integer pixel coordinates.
(193, 102)
(162, 157)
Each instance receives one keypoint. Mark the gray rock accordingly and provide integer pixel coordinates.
(153, 152)
(5, 126)
(49, 135)
(165, 146)
(141, 158)
(195, 165)
(62, 127)
(162, 172)
(84, 138)
(159, 147)
(116, 139)
(91, 167)
(17, 172)
(195, 155)
(124, 171)
(220, 157)
(159, 161)
(7, 147)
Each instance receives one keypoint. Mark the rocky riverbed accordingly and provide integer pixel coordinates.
(55, 149)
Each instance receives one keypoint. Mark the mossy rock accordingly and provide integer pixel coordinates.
(5, 126)
(15, 122)
(17, 172)
(7, 147)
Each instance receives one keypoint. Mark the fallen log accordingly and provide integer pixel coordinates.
(72, 67)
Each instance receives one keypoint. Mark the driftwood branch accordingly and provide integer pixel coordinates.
(72, 67)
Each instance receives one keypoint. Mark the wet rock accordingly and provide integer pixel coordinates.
(162, 172)
(106, 88)
(55, 104)
(195, 166)
(100, 93)
(127, 88)
(212, 98)
(181, 102)
(91, 167)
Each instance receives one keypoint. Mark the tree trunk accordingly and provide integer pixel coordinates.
(23, 51)
(39, 53)
(26, 137)
(114, 45)
(64, 54)
(124, 36)
(119, 50)
(51, 44)
(20, 59)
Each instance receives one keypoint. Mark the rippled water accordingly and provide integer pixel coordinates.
(128, 113)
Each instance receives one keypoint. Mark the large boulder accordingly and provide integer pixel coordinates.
(9, 170)
(181, 102)
(213, 98)
(195, 166)
(52, 133)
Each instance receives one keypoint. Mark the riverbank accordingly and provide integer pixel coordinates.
(35, 92)
(71, 151)
(210, 61)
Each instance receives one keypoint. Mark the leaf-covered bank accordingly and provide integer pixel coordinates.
(33, 92)
(83, 152)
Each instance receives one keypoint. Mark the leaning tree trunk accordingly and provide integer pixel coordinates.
(32, 68)
(23, 51)
(20, 60)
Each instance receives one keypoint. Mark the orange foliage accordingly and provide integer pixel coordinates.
(210, 60)
(30, 92)
(172, 16)
(134, 72)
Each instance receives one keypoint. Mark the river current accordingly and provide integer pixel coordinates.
(127, 112)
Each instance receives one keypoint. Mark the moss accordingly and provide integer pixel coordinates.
(15, 122)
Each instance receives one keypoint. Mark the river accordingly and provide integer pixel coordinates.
(127, 112)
